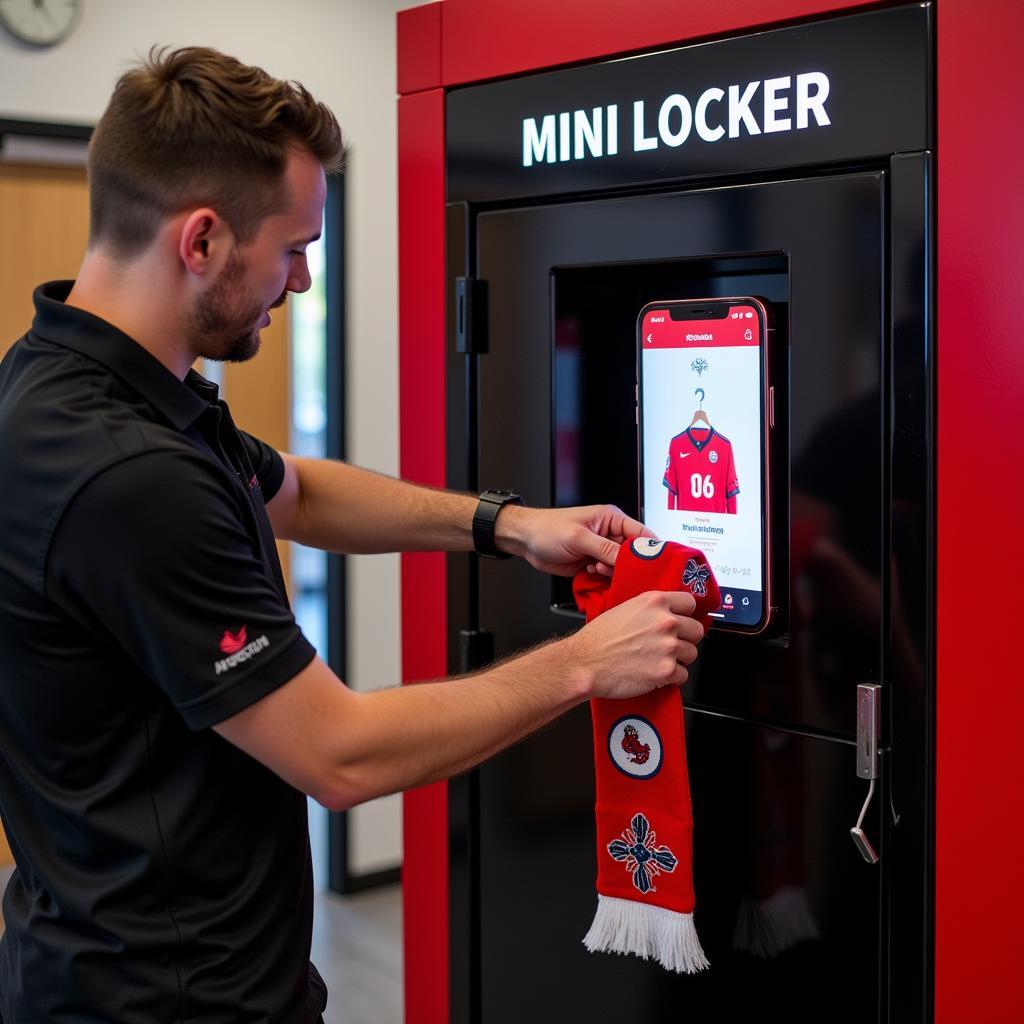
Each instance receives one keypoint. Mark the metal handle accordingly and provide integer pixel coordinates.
(860, 839)
(869, 727)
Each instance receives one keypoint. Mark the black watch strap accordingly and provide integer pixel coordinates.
(484, 518)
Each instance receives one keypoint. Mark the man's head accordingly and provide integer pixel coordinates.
(223, 166)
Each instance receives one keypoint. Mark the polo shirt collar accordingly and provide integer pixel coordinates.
(180, 402)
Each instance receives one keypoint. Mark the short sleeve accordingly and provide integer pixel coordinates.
(669, 479)
(266, 462)
(154, 554)
(732, 484)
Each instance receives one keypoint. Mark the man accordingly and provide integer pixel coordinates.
(161, 715)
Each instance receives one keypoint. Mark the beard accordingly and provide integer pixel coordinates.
(224, 322)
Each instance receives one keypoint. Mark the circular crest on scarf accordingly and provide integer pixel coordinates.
(647, 547)
(635, 747)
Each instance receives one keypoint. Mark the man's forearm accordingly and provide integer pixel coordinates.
(413, 735)
(343, 747)
(345, 508)
(339, 507)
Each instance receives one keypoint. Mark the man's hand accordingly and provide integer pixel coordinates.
(639, 645)
(562, 541)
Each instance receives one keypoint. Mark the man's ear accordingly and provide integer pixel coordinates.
(204, 242)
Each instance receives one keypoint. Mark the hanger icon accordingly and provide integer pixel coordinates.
(700, 415)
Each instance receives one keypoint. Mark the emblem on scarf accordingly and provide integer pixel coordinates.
(635, 747)
(695, 576)
(644, 860)
(638, 752)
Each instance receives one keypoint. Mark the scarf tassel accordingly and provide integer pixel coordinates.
(649, 932)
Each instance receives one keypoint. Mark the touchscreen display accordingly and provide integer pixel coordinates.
(701, 420)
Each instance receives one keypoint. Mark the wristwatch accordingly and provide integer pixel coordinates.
(490, 504)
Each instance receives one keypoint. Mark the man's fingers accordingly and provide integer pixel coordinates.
(592, 546)
(686, 653)
(681, 603)
(690, 630)
(601, 551)
(634, 528)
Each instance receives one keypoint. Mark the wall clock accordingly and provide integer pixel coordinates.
(39, 22)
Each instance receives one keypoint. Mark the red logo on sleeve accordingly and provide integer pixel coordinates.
(230, 643)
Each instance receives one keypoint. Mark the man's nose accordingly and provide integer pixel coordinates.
(299, 280)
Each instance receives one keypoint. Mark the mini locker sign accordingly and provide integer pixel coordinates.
(579, 134)
(803, 95)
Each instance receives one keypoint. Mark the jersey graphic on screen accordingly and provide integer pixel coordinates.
(700, 473)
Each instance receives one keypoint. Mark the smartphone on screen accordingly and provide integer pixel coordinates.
(704, 412)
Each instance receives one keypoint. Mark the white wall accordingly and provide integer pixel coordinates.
(343, 51)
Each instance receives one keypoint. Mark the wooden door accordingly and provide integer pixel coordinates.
(44, 226)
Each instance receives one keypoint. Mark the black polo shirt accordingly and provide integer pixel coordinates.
(162, 874)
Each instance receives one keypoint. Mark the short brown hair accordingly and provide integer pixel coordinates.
(194, 127)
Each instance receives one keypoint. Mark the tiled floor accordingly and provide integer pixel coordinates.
(357, 947)
(357, 943)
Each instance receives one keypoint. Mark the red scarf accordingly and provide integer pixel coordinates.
(644, 821)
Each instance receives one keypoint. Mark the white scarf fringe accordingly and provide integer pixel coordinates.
(625, 926)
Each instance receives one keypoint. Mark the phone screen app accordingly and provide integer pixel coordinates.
(701, 445)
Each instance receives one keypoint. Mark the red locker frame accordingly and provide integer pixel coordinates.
(980, 362)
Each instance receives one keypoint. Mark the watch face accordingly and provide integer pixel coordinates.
(39, 22)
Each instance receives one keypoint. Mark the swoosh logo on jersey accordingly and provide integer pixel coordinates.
(685, 455)
(230, 642)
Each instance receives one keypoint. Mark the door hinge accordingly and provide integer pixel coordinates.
(471, 320)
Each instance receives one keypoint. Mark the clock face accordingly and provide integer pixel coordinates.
(39, 22)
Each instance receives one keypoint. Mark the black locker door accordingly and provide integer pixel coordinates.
(787, 910)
